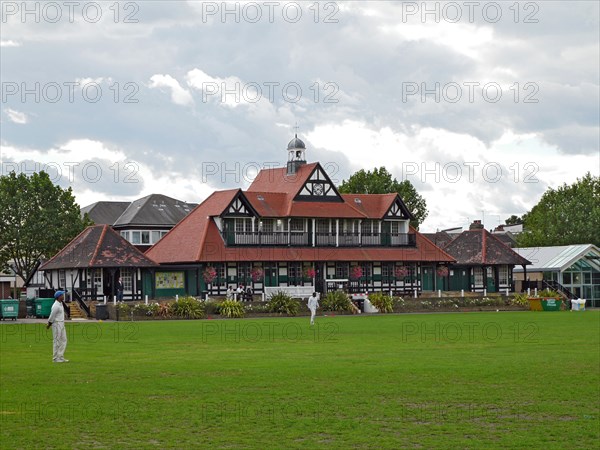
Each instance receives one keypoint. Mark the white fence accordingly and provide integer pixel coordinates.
(292, 291)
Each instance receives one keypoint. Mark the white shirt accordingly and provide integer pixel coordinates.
(313, 302)
(57, 313)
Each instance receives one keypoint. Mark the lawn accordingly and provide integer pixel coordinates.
(462, 380)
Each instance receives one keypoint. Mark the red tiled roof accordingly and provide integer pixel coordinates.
(98, 246)
(373, 206)
(277, 180)
(187, 239)
(212, 248)
(268, 204)
(480, 247)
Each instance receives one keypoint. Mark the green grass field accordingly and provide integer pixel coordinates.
(465, 380)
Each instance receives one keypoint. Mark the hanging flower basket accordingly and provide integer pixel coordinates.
(402, 272)
(209, 274)
(356, 272)
(256, 274)
(310, 272)
(442, 271)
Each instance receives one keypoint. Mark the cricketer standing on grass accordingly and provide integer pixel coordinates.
(313, 304)
(59, 334)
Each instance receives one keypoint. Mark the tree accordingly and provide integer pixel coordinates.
(380, 181)
(514, 220)
(565, 216)
(37, 219)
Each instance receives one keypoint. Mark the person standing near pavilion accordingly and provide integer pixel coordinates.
(59, 333)
(313, 304)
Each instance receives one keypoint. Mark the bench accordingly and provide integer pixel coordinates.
(300, 292)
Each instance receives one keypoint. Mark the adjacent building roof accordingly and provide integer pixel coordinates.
(480, 247)
(155, 210)
(98, 246)
(559, 258)
(440, 238)
(105, 213)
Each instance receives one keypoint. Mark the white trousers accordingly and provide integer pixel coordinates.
(59, 335)
(313, 311)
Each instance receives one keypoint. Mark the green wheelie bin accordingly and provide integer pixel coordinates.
(43, 306)
(9, 309)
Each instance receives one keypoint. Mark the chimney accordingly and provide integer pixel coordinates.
(476, 225)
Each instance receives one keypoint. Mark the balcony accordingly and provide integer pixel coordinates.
(305, 239)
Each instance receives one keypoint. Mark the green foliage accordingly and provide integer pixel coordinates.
(513, 220)
(565, 216)
(336, 301)
(549, 293)
(520, 300)
(231, 308)
(187, 307)
(383, 302)
(380, 181)
(37, 219)
(280, 302)
(123, 308)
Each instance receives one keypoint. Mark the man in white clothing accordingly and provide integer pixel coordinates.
(59, 334)
(313, 304)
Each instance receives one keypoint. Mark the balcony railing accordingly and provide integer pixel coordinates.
(305, 239)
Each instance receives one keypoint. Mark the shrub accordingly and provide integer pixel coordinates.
(163, 310)
(548, 293)
(231, 308)
(520, 300)
(383, 302)
(336, 301)
(123, 308)
(187, 307)
(280, 302)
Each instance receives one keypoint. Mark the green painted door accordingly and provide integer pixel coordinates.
(386, 238)
(459, 279)
(271, 275)
(427, 276)
(490, 282)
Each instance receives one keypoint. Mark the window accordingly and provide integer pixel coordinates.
(294, 270)
(221, 279)
(478, 274)
(367, 270)
(145, 237)
(155, 237)
(127, 279)
(125, 235)
(503, 275)
(387, 270)
(370, 227)
(243, 225)
(243, 271)
(62, 279)
(566, 278)
(163, 233)
(395, 227)
(136, 237)
(341, 270)
(322, 226)
(267, 225)
(297, 225)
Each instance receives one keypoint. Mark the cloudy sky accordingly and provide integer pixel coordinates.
(481, 105)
